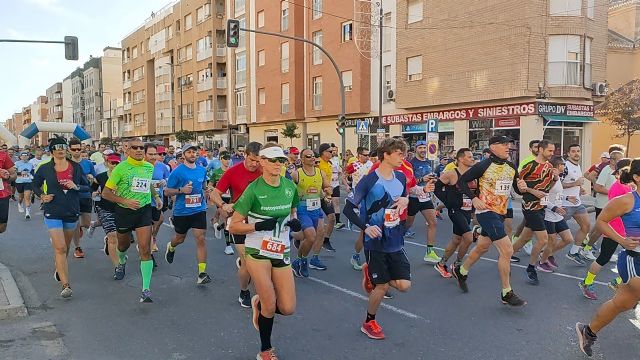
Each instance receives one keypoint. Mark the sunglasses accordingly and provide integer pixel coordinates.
(276, 160)
(74, 149)
(59, 147)
(152, 154)
(309, 156)
(162, 154)
(114, 163)
(367, 155)
(137, 147)
(226, 157)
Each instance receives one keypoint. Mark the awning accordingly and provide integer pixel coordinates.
(582, 119)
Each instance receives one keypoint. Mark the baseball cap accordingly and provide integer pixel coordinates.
(605, 155)
(324, 147)
(421, 143)
(294, 150)
(161, 149)
(500, 139)
(186, 147)
(113, 157)
(273, 152)
(108, 152)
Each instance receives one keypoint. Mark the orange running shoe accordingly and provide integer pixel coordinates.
(78, 253)
(372, 330)
(267, 355)
(367, 285)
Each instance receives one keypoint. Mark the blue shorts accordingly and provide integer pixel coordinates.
(309, 219)
(628, 266)
(53, 224)
(492, 225)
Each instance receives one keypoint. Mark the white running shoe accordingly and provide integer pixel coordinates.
(527, 247)
(20, 208)
(217, 233)
(614, 258)
(588, 254)
(228, 250)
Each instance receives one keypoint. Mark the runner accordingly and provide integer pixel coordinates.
(59, 184)
(534, 148)
(219, 219)
(459, 207)
(336, 179)
(7, 176)
(25, 171)
(627, 207)
(188, 184)
(130, 187)
(236, 180)
(496, 177)
(265, 214)
(158, 181)
(358, 170)
(572, 184)
(421, 202)
(325, 153)
(106, 215)
(381, 196)
(86, 204)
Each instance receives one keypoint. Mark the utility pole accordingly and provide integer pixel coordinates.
(380, 83)
(70, 45)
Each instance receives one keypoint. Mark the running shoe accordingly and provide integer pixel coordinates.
(409, 234)
(267, 355)
(367, 285)
(145, 297)
(13, 198)
(304, 267)
(327, 246)
(78, 253)
(296, 244)
(20, 208)
(585, 341)
(168, 254)
(105, 247)
(339, 226)
(356, 263)
(56, 276)
(532, 276)
(457, 263)
(527, 247)
(245, 299)
(316, 263)
(439, 215)
(238, 263)
(512, 299)
(217, 233)
(544, 267)
(228, 250)
(588, 291)
(576, 258)
(255, 307)
(66, 291)
(431, 257)
(27, 216)
(203, 278)
(552, 261)
(614, 259)
(119, 272)
(388, 295)
(515, 259)
(154, 244)
(92, 229)
(296, 266)
(372, 330)
(613, 284)
(462, 279)
(476, 231)
(587, 254)
(442, 270)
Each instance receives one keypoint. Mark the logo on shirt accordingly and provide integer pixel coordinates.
(288, 192)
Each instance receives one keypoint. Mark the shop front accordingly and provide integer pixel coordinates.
(567, 124)
(413, 133)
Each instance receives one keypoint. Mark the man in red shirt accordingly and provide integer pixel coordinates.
(236, 179)
(7, 174)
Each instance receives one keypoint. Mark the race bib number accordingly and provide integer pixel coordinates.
(272, 248)
(25, 175)
(391, 218)
(140, 185)
(558, 200)
(423, 197)
(192, 201)
(545, 200)
(467, 204)
(313, 204)
(503, 187)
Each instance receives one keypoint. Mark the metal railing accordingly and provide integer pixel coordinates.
(222, 115)
(206, 53)
(207, 84)
(221, 82)
(205, 115)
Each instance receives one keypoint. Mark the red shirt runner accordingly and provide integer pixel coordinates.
(5, 163)
(237, 178)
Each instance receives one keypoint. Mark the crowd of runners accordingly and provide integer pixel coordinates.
(267, 198)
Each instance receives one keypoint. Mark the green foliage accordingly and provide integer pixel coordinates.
(184, 136)
(290, 131)
(621, 108)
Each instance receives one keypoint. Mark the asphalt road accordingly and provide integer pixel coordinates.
(434, 320)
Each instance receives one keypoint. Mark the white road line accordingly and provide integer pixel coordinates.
(636, 321)
(167, 225)
(516, 265)
(362, 297)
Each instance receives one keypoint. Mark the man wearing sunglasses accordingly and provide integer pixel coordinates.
(357, 170)
(188, 184)
(86, 204)
(220, 218)
(326, 167)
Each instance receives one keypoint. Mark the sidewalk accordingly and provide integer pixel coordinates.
(11, 302)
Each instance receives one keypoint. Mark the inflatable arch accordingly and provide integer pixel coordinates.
(7, 136)
(38, 126)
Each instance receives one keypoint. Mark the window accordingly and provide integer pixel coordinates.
(271, 136)
(242, 37)
(186, 80)
(138, 119)
(203, 44)
(387, 32)
(138, 73)
(261, 59)
(177, 26)
(590, 8)
(414, 68)
(564, 60)
(347, 31)
(284, 94)
(203, 13)
(414, 11)
(261, 18)
(188, 24)
(204, 74)
(284, 57)
(317, 9)
(317, 93)
(387, 82)
(169, 32)
(241, 67)
(262, 96)
(565, 7)
(241, 98)
(239, 6)
(138, 97)
(284, 16)
(317, 54)
(587, 63)
(189, 52)
(135, 52)
(347, 80)
(187, 111)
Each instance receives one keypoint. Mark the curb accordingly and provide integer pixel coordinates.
(16, 308)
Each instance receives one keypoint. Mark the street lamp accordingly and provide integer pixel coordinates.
(180, 66)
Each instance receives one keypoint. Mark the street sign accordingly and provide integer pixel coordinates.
(432, 125)
(432, 150)
(380, 137)
(362, 127)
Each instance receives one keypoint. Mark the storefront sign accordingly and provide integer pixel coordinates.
(565, 109)
(507, 122)
(353, 122)
(498, 111)
(480, 124)
(445, 126)
(414, 128)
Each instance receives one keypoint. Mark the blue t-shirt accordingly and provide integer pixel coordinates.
(160, 172)
(202, 161)
(374, 195)
(214, 164)
(87, 168)
(420, 169)
(24, 169)
(195, 202)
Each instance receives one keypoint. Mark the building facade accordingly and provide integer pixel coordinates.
(54, 102)
(110, 92)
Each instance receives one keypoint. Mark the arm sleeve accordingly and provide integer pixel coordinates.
(356, 197)
(472, 174)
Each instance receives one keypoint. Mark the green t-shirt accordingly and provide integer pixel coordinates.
(131, 179)
(261, 201)
(525, 161)
(215, 175)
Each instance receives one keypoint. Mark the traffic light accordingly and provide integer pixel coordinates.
(340, 125)
(71, 48)
(233, 33)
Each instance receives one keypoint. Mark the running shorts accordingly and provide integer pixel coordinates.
(309, 219)
(492, 225)
(628, 265)
(155, 213)
(107, 220)
(128, 220)
(556, 227)
(4, 210)
(415, 206)
(275, 263)
(534, 219)
(336, 192)
(574, 210)
(461, 220)
(598, 211)
(86, 206)
(182, 224)
(327, 207)
(384, 267)
(22, 187)
(62, 224)
(509, 214)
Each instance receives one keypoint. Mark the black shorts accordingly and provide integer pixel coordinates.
(22, 187)
(509, 214)
(461, 220)
(556, 227)
(86, 206)
(534, 219)
(336, 192)
(415, 206)
(128, 220)
(4, 210)
(155, 213)
(238, 239)
(384, 267)
(182, 224)
(327, 207)
(275, 263)
(598, 211)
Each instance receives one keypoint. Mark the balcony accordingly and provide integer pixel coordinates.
(221, 82)
(205, 85)
(221, 50)
(56, 115)
(241, 114)
(55, 102)
(222, 115)
(164, 96)
(126, 84)
(205, 116)
(138, 100)
(127, 106)
(119, 111)
(205, 54)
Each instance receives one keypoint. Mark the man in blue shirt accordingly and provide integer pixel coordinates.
(381, 198)
(86, 204)
(24, 169)
(188, 183)
(238, 156)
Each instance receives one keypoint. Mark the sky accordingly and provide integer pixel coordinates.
(27, 70)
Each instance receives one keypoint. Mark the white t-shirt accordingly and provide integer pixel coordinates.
(555, 199)
(605, 179)
(361, 170)
(35, 162)
(335, 176)
(573, 173)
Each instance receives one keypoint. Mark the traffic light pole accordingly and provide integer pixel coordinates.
(342, 117)
(70, 44)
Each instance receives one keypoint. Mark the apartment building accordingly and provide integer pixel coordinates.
(77, 96)
(38, 111)
(54, 102)
(67, 103)
(174, 73)
(108, 92)
(14, 124)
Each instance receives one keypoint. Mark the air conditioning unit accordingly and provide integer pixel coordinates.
(391, 95)
(599, 89)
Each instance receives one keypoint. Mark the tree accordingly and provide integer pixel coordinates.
(621, 108)
(290, 132)
(184, 136)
